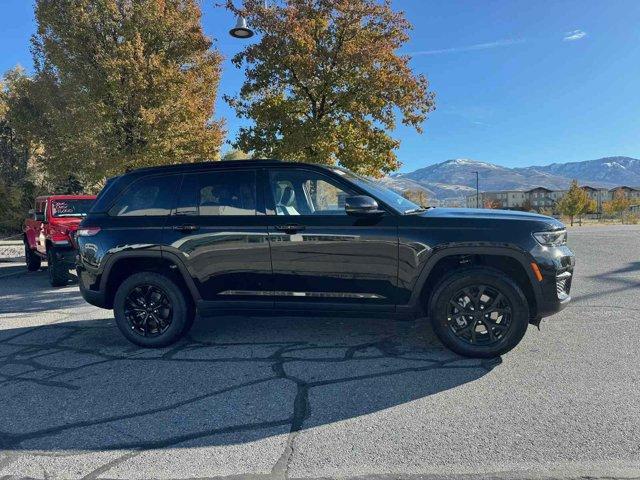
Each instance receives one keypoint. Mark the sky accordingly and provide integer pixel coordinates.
(517, 82)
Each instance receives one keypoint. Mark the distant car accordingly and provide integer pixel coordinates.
(161, 243)
(49, 230)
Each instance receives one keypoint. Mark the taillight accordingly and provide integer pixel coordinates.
(87, 231)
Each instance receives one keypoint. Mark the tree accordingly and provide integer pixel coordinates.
(419, 197)
(17, 172)
(527, 206)
(325, 83)
(120, 84)
(492, 203)
(617, 205)
(235, 154)
(575, 202)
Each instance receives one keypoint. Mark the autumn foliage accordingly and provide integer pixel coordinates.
(121, 84)
(325, 83)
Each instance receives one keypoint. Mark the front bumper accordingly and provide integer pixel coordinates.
(557, 276)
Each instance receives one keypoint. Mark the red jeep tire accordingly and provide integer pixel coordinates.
(32, 259)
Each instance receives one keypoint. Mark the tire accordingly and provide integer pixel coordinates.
(458, 312)
(58, 271)
(32, 259)
(151, 310)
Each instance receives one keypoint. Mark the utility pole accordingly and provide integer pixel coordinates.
(477, 189)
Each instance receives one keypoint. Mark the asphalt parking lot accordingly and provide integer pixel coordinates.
(309, 397)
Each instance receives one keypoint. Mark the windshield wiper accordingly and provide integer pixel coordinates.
(414, 210)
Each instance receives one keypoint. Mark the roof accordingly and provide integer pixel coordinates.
(623, 187)
(539, 188)
(67, 197)
(212, 164)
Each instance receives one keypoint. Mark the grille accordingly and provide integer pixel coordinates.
(563, 284)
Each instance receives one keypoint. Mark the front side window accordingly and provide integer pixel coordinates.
(147, 197)
(396, 201)
(303, 192)
(218, 193)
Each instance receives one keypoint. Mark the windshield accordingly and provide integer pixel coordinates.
(70, 208)
(388, 196)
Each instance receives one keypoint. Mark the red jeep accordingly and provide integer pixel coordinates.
(48, 233)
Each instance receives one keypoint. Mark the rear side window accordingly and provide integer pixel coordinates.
(218, 193)
(147, 197)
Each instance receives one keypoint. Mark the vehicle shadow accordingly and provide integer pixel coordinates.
(618, 280)
(80, 386)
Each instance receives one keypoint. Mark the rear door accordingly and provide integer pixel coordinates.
(322, 255)
(219, 230)
(137, 218)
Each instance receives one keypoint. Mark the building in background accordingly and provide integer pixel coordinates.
(540, 198)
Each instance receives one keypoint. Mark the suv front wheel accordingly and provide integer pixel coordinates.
(479, 312)
(151, 310)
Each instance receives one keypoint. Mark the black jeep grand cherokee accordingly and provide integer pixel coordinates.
(161, 243)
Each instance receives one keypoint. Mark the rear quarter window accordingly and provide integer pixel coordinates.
(149, 196)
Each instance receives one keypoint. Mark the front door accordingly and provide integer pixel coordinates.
(219, 230)
(321, 254)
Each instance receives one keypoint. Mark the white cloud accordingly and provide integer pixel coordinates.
(574, 35)
(470, 48)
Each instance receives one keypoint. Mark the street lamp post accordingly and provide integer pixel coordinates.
(477, 189)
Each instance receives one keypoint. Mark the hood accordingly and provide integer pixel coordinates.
(493, 215)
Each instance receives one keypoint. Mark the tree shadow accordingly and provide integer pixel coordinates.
(80, 386)
(38, 296)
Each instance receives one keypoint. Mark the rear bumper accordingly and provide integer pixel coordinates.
(94, 297)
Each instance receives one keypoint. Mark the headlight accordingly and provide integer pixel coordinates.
(551, 239)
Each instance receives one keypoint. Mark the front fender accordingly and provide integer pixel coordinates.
(472, 248)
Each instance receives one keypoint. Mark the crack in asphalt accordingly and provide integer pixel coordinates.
(32, 355)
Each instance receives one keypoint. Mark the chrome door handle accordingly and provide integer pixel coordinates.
(290, 228)
(185, 228)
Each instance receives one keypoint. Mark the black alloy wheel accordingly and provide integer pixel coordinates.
(479, 315)
(152, 310)
(148, 310)
(479, 312)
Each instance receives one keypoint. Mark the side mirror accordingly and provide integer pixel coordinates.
(39, 217)
(32, 212)
(361, 205)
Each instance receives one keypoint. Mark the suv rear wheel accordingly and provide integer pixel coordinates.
(32, 260)
(151, 310)
(479, 312)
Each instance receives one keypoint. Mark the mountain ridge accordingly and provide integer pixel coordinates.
(455, 178)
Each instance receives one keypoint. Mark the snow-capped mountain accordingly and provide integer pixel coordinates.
(614, 170)
(454, 179)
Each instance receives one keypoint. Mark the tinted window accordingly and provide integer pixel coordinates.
(71, 208)
(147, 197)
(218, 193)
(391, 198)
(304, 192)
